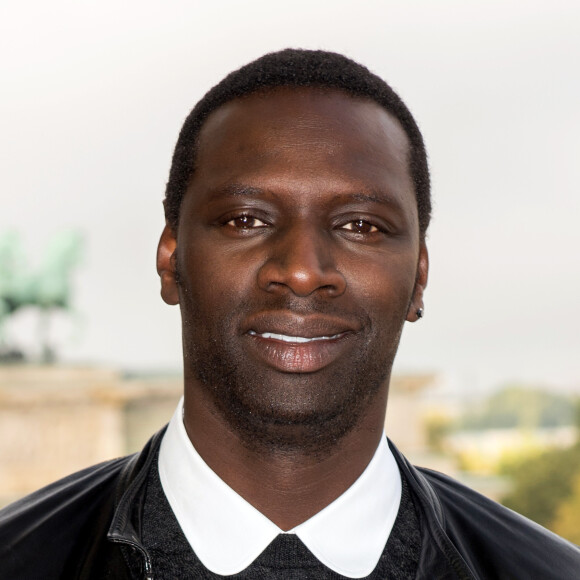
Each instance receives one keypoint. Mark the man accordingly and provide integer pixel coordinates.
(297, 207)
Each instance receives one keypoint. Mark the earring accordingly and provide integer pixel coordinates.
(419, 313)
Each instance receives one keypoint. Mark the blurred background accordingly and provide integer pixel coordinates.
(93, 96)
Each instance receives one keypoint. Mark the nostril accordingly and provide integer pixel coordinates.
(301, 262)
(278, 277)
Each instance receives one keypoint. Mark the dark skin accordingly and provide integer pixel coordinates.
(296, 261)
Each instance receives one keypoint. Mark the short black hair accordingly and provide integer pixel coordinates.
(297, 68)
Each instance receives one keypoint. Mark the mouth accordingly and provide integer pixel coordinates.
(291, 343)
(294, 339)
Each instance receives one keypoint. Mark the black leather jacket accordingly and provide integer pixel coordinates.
(88, 526)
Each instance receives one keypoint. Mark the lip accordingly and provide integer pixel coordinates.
(294, 343)
(290, 323)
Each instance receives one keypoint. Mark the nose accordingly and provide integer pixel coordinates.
(301, 261)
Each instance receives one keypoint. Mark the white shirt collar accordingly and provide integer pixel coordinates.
(227, 533)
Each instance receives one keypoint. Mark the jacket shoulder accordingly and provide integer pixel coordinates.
(496, 541)
(48, 524)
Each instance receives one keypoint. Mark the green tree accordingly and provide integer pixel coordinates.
(542, 483)
(567, 521)
(438, 426)
(518, 406)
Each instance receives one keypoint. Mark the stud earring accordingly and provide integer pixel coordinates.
(419, 313)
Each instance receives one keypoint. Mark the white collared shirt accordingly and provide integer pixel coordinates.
(227, 533)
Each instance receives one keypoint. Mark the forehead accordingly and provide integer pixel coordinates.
(328, 122)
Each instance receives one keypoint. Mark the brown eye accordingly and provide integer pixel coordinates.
(360, 227)
(246, 222)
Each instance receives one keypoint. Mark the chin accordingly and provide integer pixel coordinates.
(285, 412)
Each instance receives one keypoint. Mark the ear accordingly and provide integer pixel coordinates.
(166, 266)
(420, 284)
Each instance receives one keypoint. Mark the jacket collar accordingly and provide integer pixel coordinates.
(125, 528)
(438, 553)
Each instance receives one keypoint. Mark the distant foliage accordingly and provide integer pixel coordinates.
(547, 487)
(523, 407)
(567, 521)
(543, 483)
(438, 427)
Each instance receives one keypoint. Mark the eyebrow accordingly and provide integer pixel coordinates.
(236, 190)
(382, 198)
(240, 190)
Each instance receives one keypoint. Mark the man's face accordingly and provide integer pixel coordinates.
(298, 258)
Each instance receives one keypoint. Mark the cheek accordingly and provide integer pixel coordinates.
(213, 278)
(384, 283)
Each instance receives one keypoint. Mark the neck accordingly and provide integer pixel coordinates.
(287, 483)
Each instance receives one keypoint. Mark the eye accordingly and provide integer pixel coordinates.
(360, 227)
(246, 222)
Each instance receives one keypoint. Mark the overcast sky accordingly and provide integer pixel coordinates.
(94, 93)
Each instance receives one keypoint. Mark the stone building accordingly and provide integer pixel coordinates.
(56, 420)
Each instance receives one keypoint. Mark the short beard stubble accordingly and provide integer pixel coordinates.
(306, 413)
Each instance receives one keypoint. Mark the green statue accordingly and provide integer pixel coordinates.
(47, 287)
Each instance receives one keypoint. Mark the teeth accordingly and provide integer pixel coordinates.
(294, 339)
